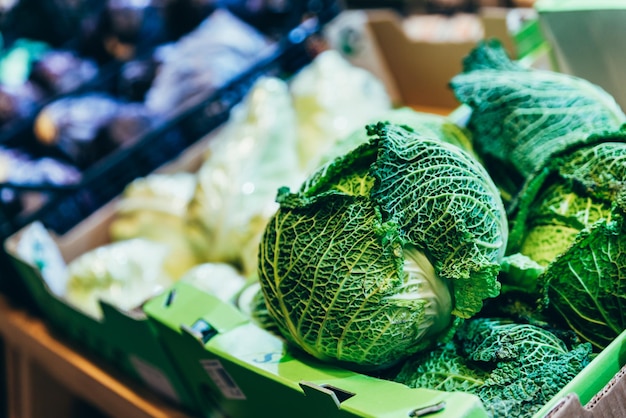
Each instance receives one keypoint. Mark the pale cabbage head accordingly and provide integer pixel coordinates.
(332, 98)
(248, 158)
(155, 208)
(124, 274)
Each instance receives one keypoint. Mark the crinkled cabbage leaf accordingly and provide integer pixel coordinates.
(522, 117)
(572, 223)
(513, 368)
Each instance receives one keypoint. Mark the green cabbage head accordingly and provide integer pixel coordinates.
(381, 248)
(571, 222)
(564, 138)
(513, 368)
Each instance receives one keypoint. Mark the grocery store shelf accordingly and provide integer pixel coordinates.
(40, 364)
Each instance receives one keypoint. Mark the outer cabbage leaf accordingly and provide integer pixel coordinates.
(563, 138)
(513, 368)
(587, 284)
(523, 117)
(356, 266)
(446, 205)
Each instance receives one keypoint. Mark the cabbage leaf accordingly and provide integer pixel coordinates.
(513, 368)
(523, 117)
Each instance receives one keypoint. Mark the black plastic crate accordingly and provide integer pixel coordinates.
(22, 137)
(80, 28)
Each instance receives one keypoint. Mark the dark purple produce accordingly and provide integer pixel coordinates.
(19, 168)
(61, 71)
(130, 27)
(220, 48)
(73, 126)
(18, 102)
(135, 79)
(131, 122)
(269, 16)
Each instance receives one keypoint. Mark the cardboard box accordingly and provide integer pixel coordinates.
(417, 73)
(588, 40)
(241, 370)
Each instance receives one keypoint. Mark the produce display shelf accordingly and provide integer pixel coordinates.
(204, 354)
(32, 349)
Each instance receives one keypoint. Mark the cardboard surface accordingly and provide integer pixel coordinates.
(241, 370)
(607, 404)
(421, 70)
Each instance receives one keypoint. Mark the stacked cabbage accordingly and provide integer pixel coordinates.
(560, 144)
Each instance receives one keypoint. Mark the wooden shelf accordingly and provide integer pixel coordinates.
(34, 355)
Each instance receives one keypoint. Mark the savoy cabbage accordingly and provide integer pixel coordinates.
(513, 368)
(377, 252)
(522, 117)
(563, 140)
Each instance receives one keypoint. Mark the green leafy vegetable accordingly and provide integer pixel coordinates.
(579, 238)
(369, 260)
(522, 117)
(513, 368)
(563, 138)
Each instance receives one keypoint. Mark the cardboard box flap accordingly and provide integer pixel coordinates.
(606, 404)
(422, 70)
